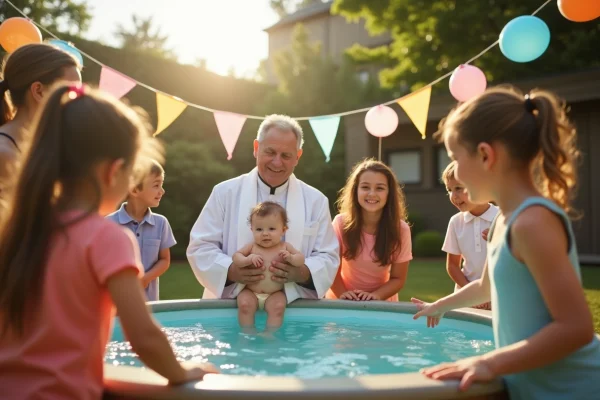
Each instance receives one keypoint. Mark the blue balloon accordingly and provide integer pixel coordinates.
(69, 48)
(524, 39)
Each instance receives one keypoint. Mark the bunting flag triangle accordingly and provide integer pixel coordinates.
(416, 106)
(229, 126)
(115, 83)
(168, 109)
(325, 129)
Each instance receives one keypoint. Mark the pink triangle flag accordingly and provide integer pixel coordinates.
(115, 83)
(229, 126)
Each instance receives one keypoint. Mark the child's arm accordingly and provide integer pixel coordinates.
(243, 258)
(476, 292)
(338, 288)
(454, 271)
(539, 240)
(143, 333)
(397, 280)
(159, 267)
(292, 256)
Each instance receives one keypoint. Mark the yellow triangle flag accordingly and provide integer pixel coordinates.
(416, 106)
(168, 109)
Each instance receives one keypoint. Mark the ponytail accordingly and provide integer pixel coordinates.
(556, 164)
(6, 110)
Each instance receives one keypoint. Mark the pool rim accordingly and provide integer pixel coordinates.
(135, 382)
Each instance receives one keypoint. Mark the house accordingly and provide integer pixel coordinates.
(419, 163)
(333, 32)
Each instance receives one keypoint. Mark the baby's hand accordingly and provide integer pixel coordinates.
(285, 255)
(256, 260)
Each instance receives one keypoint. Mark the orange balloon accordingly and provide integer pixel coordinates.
(16, 32)
(579, 10)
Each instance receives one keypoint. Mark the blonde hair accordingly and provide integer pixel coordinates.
(535, 130)
(449, 172)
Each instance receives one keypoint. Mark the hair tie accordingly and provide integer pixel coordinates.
(76, 91)
(529, 105)
(3, 85)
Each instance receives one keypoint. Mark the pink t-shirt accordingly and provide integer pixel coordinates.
(61, 353)
(363, 273)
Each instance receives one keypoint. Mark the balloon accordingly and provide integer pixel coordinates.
(466, 82)
(16, 32)
(579, 10)
(381, 121)
(524, 39)
(68, 47)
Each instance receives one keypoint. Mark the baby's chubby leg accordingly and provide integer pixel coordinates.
(275, 307)
(247, 305)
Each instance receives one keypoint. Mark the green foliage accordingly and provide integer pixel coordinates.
(310, 85)
(430, 38)
(428, 244)
(63, 16)
(416, 222)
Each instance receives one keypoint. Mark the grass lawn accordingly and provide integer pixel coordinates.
(427, 280)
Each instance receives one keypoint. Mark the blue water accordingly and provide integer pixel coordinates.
(313, 343)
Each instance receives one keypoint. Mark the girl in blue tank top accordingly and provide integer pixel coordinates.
(519, 152)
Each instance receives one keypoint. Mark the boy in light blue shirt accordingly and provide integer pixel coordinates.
(153, 232)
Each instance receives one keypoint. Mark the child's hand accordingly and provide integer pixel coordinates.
(349, 295)
(366, 296)
(145, 282)
(256, 260)
(468, 370)
(196, 372)
(429, 310)
(285, 256)
(484, 306)
(484, 234)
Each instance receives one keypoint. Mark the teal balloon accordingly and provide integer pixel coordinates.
(524, 39)
(65, 46)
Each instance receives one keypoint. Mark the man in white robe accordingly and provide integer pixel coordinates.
(222, 227)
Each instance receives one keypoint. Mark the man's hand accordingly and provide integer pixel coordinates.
(283, 272)
(246, 274)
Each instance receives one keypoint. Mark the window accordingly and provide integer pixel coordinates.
(406, 165)
(442, 162)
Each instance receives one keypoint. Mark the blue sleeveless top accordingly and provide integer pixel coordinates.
(519, 311)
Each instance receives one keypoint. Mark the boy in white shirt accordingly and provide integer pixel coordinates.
(466, 237)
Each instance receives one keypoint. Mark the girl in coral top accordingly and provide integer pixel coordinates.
(63, 266)
(375, 243)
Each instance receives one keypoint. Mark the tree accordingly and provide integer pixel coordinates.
(58, 16)
(286, 7)
(310, 85)
(430, 38)
(144, 37)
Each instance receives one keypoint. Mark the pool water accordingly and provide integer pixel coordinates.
(313, 343)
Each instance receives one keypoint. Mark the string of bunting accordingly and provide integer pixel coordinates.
(523, 39)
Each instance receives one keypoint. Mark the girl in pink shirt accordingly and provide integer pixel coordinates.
(63, 267)
(375, 243)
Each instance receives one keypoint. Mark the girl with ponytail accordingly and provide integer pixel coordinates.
(519, 151)
(25, 79)
(63, 266)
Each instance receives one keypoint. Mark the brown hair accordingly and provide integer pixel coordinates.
(29, 64)
(387, 238)
(154, 169)
(449, 172)
(535, 130)
(74, 130)
(269, 208)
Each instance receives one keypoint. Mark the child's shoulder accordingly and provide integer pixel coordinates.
(339, 219)
(159, 218)
(456, 218)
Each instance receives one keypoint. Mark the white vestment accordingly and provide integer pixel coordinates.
(222, 229)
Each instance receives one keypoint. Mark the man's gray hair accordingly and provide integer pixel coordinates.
(283, 123)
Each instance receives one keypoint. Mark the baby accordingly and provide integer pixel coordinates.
(268, 221)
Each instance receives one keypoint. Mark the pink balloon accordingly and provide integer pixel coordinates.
(467, 82)
(381, 121)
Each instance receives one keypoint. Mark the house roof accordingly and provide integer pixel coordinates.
(302, 14)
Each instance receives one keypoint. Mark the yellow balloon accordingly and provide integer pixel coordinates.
(16, 32)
